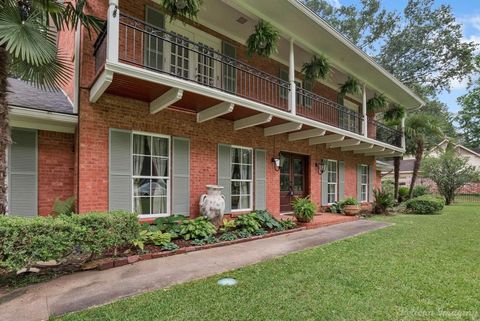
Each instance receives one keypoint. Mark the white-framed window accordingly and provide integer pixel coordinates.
(363, 183)
(332, 180)
(241, 178)
(150, 174)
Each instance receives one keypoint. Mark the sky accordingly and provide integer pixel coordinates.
(467, 13)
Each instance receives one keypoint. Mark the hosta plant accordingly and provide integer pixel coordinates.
(247, 222)
(199, 228)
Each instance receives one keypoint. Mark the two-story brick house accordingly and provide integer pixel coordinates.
(162, 108)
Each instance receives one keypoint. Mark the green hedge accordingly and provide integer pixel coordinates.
(425, 204)
(25, 241)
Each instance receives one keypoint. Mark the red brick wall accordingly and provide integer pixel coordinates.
(116, 112)
(56, 159)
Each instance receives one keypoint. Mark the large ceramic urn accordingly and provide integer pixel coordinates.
(212, 204)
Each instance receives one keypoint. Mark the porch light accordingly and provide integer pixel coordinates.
(180, 4)
(321, 166)
(276, 163)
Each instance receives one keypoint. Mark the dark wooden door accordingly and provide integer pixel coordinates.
(292, 179)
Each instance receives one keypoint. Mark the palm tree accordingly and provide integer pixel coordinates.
(420, 129)
(28, 51)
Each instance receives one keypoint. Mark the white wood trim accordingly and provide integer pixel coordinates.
(190, 86)
(282, 128)
(251, 121)
(361, 146)
(305, 134)
(384, 153)
(100, 85)
(372, 149)
(43, 120)
(344, 143)
(215, 111)
(165, 100)
(326, 139)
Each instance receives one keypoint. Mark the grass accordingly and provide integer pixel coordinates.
(422, 268)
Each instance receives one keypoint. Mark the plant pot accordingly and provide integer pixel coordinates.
(351, 210)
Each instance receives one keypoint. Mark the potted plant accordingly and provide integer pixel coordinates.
(350, 206)
(182, 8)
(317, 68)
(376, 104)
(264, 41)
(304, 209)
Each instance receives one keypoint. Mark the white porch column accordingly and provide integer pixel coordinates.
(403, 132)
(292, 105)
(364, 111)
(113, 31)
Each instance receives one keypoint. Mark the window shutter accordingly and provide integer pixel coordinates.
(120, 171)
(260, 179)
(341, 180)
(325, 187)
(229, 72)
(371, 182)
(359, 182)
(181, 176)
(23, 173)
(224, 174)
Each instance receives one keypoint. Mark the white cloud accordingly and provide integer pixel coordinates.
(458, 84)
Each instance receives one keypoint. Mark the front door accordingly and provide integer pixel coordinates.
(292, 179)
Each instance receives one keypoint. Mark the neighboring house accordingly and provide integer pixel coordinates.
(165, 108)
(406, 168)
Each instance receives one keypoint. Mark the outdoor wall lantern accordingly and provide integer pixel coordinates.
(276, 163)
(321, 166)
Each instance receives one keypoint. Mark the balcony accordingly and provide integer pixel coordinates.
(156, 50)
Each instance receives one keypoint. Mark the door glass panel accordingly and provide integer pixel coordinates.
(298, 183)
(284, 182)
(284, 164)
(205, 65)
(229, 70)
(298, 166)
(153, 42)
(179, 55)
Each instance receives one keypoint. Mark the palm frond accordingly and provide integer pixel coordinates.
(30, 40)
(48, 76)
(75, 14)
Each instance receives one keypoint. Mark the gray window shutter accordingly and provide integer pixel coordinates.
(325, 188)
(371, 182)
(120, 171)
(341, 180)
(359, 182)
(23, 173)
(224, 174)
(181, 176)
(260, 179)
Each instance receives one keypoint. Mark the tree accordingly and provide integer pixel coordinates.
(421, 46)
(419, 129)
(450, 172)
(469, 116)
(28, 51)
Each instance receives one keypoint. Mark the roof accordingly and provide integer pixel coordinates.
(293, 19)
(446, 141)
(22, 94)
(406, 165)
(384, 166)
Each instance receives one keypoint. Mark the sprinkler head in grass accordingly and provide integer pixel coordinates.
(227, 282)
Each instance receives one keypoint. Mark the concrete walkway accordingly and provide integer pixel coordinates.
(86, 289)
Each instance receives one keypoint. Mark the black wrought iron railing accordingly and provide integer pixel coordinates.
(152, 48)
(383, 133)
(319, 108)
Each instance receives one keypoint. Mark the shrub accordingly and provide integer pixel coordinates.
(383, 200)
(170, 224)
(304, 209)
(266, 220)
(335, 208)
(228, 236)
(424, 205)
(103, 231)
(420, 190)
(244, 234)
(65, 207)
(149, 236)
(25, 241)
(198, 228)
(170, 247)
(403, 193)
(288, 224)
(260, 231)
(211, 240)
(228, 225)
(248, 222)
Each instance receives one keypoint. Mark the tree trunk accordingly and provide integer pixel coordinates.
(416, 165)
(4, 131)
(396, 171)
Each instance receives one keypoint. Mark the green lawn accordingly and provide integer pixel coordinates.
(422, 268)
